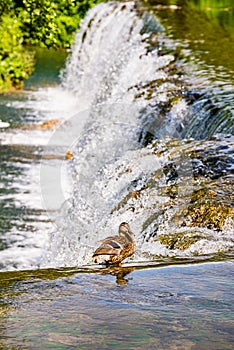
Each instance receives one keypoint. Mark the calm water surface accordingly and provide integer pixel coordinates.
(204, 26)
(179, 307)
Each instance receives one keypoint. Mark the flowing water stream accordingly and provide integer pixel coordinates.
(136, 131)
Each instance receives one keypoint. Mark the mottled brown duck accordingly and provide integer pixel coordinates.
(114, 249)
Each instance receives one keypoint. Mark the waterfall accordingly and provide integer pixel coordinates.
(134, 133)
(134, 118)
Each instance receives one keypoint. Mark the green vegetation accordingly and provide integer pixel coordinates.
(42, 23)
(15, 63)
(52, 23)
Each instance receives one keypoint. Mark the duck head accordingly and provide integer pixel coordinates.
(124, 228)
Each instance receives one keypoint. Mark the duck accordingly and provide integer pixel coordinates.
(114, 249)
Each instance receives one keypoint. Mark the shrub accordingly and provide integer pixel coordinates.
(43, 23)
(16, 63)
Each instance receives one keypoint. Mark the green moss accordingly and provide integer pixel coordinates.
(206, 209)
(181, 240)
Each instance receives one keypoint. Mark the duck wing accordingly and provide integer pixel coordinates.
(109, 239)
(109, 246)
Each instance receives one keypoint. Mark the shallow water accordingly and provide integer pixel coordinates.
(179, 307)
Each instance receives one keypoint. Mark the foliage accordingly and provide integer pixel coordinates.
(5, 6)
(16, 63)
(42, 23)
(38, 22)
(69, 15)
(52, 23)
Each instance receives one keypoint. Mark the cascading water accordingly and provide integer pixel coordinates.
(142, 148)
(133, 96)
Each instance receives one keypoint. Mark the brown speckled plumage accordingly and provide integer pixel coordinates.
(115, 249)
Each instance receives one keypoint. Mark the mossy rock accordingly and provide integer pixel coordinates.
(181, 240)
(207, 208)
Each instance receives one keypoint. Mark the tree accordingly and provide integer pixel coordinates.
(34, 22)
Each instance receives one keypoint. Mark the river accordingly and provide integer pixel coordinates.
(136, 126)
